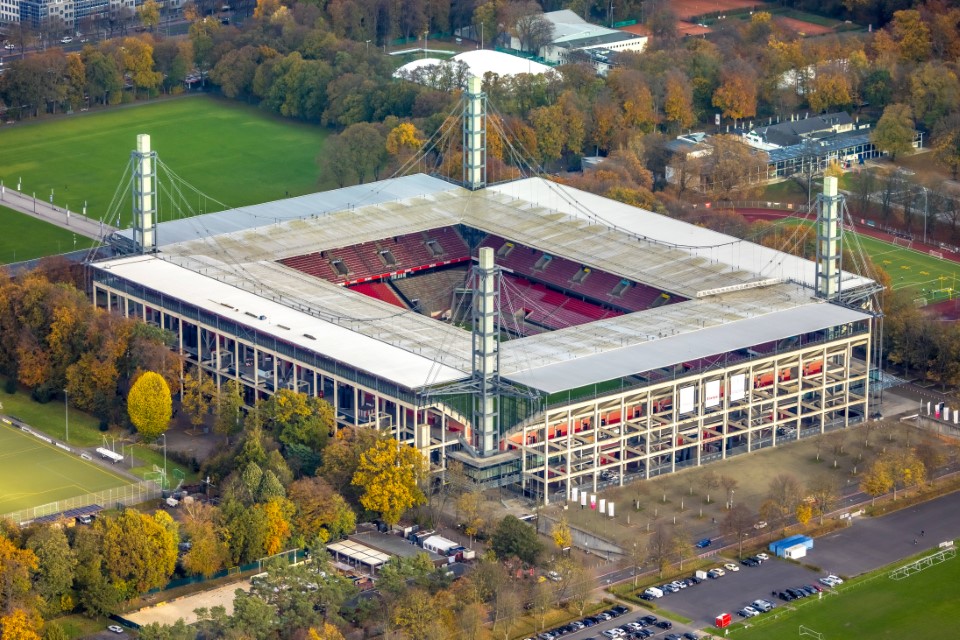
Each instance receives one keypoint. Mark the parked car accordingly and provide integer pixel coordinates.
(751, 610)
(689, 635)
(613, 633)
(731, 567)
(664, 624)
(647, 620)
(115, 628)
(836, 579)
(762, 556)
(672, 636)
(760, 525)
(750, 562)
(620, 609)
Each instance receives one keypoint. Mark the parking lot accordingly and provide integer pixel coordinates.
(633, 615)
(703, 602)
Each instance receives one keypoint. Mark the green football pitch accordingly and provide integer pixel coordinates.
(233, 153)
(34, 473)
(920, 607)
(45, 239)
(923, 275)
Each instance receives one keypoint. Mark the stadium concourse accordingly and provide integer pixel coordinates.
(628, 344)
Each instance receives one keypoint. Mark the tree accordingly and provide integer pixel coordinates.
(139, 551)
(737, 524)
(934, 93)
(56, 565)
(894, 131)
(229, 403)
(341, 458)
(735, 166)
(784, 494)
(17, 567)
(825, 494)
(678, 101)
(736, 96)
(711, 481)
(514, 538)
(197, 391)
(507, 609)
(149, 405)
(208, 549)
(320, 511)
(326, 632)
(876, 481)
(19, 625)
(562, 537)
(149, 13)
(389, 474)
(136, 60)
(660, 547)
(911, 35)
(729, 484)
(946, 143)
(156, 631)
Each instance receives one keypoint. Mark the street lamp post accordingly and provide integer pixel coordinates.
(926, 210)
(368, 46)
(164, 436)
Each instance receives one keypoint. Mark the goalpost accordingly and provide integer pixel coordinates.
(903, 242)
(807, 631)
(936, 254)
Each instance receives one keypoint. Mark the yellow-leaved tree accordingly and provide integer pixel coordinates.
(325, 632)
(19, 625)
(388, 475)
(149, 405)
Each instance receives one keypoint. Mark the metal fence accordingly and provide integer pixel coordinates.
(118, 497)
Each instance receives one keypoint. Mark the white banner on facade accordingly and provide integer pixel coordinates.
(583, 499)
(603, 505)
(574, 494)
(610, 509)
(688, 396)
(712, 393)
(738, 387)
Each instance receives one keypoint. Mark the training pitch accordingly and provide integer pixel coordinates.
(232, 152)
(923, 275)
(34, 473)
(45, 238)
(920, 607)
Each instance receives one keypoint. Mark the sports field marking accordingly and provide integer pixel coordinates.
(34, 473)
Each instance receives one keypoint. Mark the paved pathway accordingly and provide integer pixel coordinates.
(42, 210)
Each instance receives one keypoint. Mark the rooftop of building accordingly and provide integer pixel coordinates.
(572, 31)
(227, 262)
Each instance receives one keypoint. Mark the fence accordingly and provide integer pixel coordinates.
(120, 496)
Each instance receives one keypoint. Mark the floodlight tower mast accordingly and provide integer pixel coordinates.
(486, 354)
(144, 193)
(474, 135)
(829, 263)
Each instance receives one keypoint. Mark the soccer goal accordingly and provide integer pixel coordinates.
(807, 631)
(903, 242)
(936, 254)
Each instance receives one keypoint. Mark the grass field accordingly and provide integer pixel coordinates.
(916, 271)
(45, 238)
(33, 472)
(232, 152)
(919, 607)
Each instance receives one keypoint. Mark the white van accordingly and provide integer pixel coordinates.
(654, 592)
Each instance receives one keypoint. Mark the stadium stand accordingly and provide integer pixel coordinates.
(380, 291)
(432, 290)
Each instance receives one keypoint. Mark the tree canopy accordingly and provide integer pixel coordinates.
(149, 405)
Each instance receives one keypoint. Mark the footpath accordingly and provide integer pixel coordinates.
(64, 218)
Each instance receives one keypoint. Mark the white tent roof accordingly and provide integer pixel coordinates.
(479, 63)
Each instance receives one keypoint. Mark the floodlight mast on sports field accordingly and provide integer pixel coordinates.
(164, 436)
(66, 410)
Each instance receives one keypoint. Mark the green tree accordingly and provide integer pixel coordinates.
(149, 405)
(149, 13)
(197, 391)
(946, 143)
(229, 403)
(208, 549)
(894, 132)
(934, 93)
(56, 567)
(389, 474)
(514, 538)
(139, 551)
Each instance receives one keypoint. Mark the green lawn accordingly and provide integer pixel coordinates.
(33, 472)
(45, 239)
(232, 152)
(85, 431)
(919, 607)
(916, 271)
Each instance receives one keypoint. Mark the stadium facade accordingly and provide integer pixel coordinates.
(608, 343)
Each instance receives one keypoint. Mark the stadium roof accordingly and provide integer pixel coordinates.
(479, 62)
(227, 262)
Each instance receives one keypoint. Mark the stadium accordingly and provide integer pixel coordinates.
(545, 337)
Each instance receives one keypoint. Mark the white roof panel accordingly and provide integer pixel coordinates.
(686, 347)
